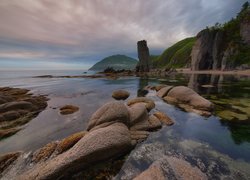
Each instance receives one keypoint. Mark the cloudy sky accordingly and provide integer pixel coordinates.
(68, 34)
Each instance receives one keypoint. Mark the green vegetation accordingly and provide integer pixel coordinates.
(233, 39)
(175, 56)
(117, 62)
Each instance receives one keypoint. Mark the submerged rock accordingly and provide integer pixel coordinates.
(120, 94)
(68, 109)
(171, 168)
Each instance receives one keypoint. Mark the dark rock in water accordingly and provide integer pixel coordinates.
(68, 109)
(143, 55)
(110, 112)
(120, 94)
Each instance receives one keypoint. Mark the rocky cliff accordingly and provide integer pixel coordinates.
(224, 47)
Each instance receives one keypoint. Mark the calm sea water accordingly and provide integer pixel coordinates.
(227, 137)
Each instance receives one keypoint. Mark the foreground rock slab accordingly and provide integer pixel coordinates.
(96, 146)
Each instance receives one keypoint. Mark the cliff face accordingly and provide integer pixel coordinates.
(224, 47)
(143, 55)
(245, 31)
(207, 52)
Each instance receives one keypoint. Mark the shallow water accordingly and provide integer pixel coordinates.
(231, 138)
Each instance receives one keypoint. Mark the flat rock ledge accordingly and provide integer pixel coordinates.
(113, 131)
(17, 107)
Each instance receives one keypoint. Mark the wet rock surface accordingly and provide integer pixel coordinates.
(186, 159)
(17, 107)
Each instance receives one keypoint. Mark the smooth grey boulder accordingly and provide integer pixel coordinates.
(110, 112)
(96, 146)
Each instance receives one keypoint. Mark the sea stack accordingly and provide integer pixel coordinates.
(143, 55)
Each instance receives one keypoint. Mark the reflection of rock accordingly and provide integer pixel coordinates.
(17, 107)
(68, 109)
(120, 94)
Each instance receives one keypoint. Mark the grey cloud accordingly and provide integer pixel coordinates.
(95, 28)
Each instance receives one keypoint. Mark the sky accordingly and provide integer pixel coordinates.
(75, 34)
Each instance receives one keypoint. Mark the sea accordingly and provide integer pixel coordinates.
(222, 132)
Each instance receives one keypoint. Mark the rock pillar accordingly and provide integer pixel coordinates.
(143, 55)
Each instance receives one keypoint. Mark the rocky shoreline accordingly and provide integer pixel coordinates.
(18, 107)
(113, 131)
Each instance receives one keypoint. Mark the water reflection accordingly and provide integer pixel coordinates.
(143, 82)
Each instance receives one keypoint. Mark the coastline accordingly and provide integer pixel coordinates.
(218, 72)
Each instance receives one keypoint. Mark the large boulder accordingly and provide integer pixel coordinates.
(120, 94)
(137, 113)
(189, 100)
(96, 146)
(110, 112)
(164, 91)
